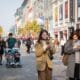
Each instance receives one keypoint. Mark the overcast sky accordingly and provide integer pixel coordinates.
(7, 10)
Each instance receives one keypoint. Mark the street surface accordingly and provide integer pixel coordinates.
(28, 70)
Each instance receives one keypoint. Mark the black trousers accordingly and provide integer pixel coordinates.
(17, 59)
(76, 72)
(71, 79)
(1, 55)
(62, 50)
(28, 48)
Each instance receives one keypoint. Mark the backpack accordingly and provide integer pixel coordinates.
(28, 42)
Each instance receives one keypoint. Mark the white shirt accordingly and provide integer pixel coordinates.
(77, 53)
(63, 42)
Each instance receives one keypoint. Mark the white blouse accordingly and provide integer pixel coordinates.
(77, 52)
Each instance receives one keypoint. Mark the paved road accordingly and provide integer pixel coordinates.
(28, 71)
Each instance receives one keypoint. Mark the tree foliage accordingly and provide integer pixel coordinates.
(30, 27)
(1, 30)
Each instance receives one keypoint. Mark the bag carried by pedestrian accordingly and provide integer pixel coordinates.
(28, 43)
(65, 59)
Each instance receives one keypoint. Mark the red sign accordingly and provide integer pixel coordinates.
(66, 9)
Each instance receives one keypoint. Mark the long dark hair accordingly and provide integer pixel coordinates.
(40, 35)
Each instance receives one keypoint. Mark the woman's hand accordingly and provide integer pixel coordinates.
(78, 47)
(45, 47)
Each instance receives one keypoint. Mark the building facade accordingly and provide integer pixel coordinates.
(65, 17)
(28, 11)
(43, 11)
(59, 17)
(19, 17)
(39, 12)
(77, 14)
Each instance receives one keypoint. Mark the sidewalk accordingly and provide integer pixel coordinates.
(28, 70)
(59, 70)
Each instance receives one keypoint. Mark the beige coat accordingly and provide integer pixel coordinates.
(42, 58)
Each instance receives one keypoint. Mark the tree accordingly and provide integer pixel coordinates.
(29, 28)
(33, 26)
(1, 30)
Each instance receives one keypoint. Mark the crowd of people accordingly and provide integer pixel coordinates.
(44, 51)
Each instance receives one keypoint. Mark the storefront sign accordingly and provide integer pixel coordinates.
(66, 9)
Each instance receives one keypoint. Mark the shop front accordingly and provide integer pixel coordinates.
(63, 33)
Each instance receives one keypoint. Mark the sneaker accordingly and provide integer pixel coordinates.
(18, 65)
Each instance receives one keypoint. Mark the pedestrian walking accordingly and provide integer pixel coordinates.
(19, 43)
(28, 44)
(44, 51)
(72, 48)
(56, 42)
(63, 41)
(2, 46)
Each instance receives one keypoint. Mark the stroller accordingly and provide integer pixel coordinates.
(13, 58)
